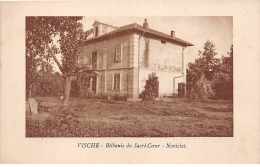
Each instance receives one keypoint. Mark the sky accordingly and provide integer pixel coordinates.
(196, 30)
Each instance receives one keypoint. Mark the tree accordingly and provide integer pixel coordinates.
(201, 73)
(223, 77)
(151, 88)
(48, 36)
(207, 62)
(50, 83)
(202, 89)
(209, 77)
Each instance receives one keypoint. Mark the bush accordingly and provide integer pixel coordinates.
(150, 91)
(50, 85)
(223, 85)
(201, 90)
(80, 87)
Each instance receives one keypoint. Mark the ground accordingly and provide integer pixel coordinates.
(164, 118)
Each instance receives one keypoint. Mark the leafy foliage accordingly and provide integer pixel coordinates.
(223, 78)
(64, 123)
(81, 86)
(48, 36)
(48, 83)
(51, 84)
(209, 77)
(202, 89)
(151, 88)
(208, 62)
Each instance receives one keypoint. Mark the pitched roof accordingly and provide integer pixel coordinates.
(136, 28)
(104, 24)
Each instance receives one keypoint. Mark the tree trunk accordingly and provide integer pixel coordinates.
(67, 90)
(30, 91)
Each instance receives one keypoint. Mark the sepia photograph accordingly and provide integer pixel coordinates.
(161, 76)
(130, 82)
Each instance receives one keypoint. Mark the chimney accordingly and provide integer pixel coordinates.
(145, 25)
(172, 34)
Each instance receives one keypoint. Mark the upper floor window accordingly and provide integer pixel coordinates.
(94, 60)
(118, 53)
(96, 31)
(117, 82)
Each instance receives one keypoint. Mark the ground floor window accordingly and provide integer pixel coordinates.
(117, 82)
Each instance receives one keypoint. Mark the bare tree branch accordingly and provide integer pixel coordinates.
(54, 57)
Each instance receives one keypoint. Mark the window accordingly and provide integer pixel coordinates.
(117, 82)
(94, 60)
(96, 33)
(118, 53)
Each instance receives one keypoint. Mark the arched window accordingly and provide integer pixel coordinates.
(96, 34)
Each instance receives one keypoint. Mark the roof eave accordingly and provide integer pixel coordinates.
(142, 32)
(164, 38)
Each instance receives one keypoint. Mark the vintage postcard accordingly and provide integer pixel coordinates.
(135, 82)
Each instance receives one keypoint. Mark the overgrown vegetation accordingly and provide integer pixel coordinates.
(223, 77)
(49, 83)
(209, 77)
(48, 36)
(64, 122)
(80, 86)
(151, 88)
(102, 118)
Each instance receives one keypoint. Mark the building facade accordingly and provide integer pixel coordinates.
(125, 56)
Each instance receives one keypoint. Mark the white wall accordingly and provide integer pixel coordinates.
(165, 81)
(160, 54)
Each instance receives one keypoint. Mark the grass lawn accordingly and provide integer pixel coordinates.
(169, 118)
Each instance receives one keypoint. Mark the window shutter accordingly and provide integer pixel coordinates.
(115, 82)
(121, 52)
(119, 80)
(112, 82)
(115, 53)
(118, 53)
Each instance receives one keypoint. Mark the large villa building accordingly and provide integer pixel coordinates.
(125, 56)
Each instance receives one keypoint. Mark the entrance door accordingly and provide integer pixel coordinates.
(94, 84)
